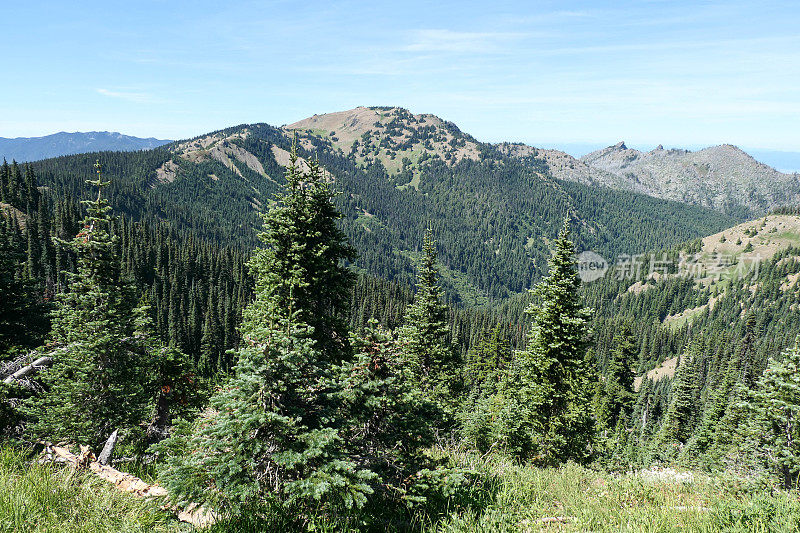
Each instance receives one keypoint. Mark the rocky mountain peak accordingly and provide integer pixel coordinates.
(390, 134)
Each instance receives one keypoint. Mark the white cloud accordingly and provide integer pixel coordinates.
(136, 97)
(437, 40)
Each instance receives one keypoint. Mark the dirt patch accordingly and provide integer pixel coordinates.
(664, 370)
(9, 209)
(690, 313)
(247, 158)
(640, 287)
(220, 153)
(167, 172)
(283, 158)
(791, 281)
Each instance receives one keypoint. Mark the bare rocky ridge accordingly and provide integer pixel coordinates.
(565, 167)
(719, 177)
(224, 148)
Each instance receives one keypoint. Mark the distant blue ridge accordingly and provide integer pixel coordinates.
(23, 149)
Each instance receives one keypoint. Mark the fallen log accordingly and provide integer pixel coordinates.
(195, 514)
(41, 362)
(47, 359)
(9, 367)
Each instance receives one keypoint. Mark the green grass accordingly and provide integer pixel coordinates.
(687, 316)
(791, 237)
(516, 498)
(370, 223)
(594, 501)
(55, 498)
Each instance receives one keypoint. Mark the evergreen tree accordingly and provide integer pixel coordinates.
(723, 410)
(552, 377)
(96, 382)
(681, 415)
(425, 335)
(301, 263)
(616, 392)
(775, 408)
(209, 342)
(543, 411)
(386, 416)
(21, 313)
(270, 441)
(488, 361)
(643, 417)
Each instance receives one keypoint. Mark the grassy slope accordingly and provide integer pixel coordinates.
(593, 501)
(45, 498)
(57, 499)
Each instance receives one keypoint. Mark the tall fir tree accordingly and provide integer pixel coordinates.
(22, 311)
(99, 343)
(386, 416)
(616, 394)
(775, 416)
(681, 415)
(488, 362)
(552, 379)
(270, 441)
(302, 261)
(425, 337)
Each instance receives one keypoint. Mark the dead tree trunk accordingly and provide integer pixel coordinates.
(195, 514)
(157, 428)
(32, 368)
(108, 449)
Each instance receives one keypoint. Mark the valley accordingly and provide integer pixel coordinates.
(419, 245)
(425, 267)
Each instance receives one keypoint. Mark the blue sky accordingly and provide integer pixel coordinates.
(678, 73)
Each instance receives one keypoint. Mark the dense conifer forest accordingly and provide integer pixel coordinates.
(492, 218)
(316, 346)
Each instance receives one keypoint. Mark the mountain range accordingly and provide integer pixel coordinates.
(34, 148)
(494, 213)
(722, 177)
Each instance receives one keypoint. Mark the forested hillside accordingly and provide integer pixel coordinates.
(295, 337)
(195, 288)
(703, 323)
(493, 215)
